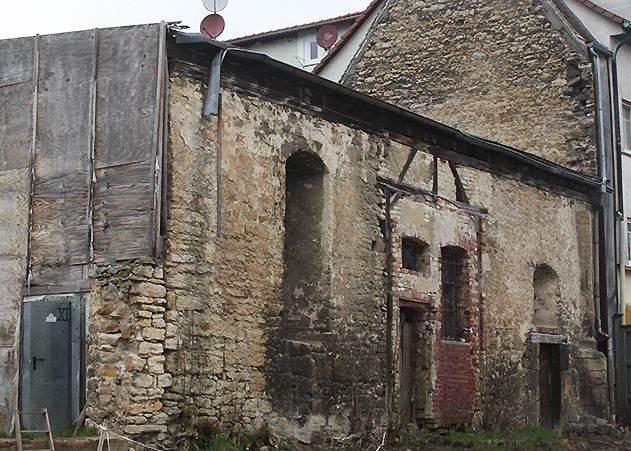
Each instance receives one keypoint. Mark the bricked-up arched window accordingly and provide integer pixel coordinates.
(547, 297)
(304, 197)
(453, 260)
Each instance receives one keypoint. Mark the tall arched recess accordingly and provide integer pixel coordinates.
(547, 298)
(304, 204)
(300, 365)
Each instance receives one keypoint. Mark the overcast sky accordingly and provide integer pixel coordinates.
(30, 17)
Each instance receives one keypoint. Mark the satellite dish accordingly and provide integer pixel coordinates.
(326, 36)
(215, 5)
(212, 26)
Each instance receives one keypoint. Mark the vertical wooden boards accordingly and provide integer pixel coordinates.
(62, 156)
(122, 222)
(15, 151)
(90, 141)
(16, 56)
(125, 142)
(16, 71)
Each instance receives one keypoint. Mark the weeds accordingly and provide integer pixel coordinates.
(523, 439)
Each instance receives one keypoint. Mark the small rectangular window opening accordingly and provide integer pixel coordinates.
(628, 241)
(414, 255)
(453, 261)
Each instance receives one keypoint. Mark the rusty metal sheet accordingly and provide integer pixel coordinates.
(16, 56)
(126, 104)
(122, 220)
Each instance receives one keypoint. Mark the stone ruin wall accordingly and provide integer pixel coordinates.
(522, 226)
(236, 360)
(498, 69)
(196, 350)
(450, 390)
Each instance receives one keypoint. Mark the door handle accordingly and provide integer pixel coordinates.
(35, 360)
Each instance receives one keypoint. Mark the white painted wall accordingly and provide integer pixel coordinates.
(337, 66)
(281, 49)
(603, 29)
(294, 49)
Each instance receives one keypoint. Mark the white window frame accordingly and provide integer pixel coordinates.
(625, 124)
(628, 241)
(305, 42)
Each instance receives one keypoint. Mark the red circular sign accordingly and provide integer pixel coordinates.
(212, 26)
(327, 36)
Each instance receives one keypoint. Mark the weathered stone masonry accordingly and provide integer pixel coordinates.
(230, 324)
(499, 69)
(238, 362)
(130, 330)
(224, 329)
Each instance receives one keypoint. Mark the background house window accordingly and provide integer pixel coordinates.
(414, 255)
(628, 241)
(311, 52)
(626, 126)
(453, 263)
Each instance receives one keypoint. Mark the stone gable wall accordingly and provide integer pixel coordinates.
(497, 69)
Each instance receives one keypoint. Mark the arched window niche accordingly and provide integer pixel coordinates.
(546, 299)
(303, 244)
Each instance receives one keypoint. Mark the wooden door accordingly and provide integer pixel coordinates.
(549, 385)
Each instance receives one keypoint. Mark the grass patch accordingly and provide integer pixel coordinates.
(523, 439)
(84, 431)
(210, 438)
(241, 442)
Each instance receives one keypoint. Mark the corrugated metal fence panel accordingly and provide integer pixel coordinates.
(60, 232)
(125, 136)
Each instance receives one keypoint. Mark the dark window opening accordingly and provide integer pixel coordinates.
(414, 255)
(453, 264)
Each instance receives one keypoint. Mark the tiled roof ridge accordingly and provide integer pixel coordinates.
(293, 28)
(602, 11)
(573, 21)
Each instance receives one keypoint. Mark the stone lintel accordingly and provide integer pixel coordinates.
(547, 338)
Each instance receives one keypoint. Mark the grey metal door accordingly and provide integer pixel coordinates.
(50, 359)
